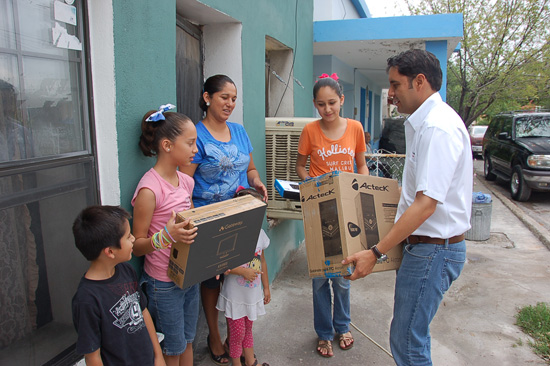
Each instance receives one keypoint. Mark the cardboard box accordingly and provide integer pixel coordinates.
(227, 237)
(343, 214)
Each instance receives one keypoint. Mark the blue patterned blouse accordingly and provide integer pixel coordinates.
(222, 166)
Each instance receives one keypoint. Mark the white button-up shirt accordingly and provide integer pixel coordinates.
(439, 164)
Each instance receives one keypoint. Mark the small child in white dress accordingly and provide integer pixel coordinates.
(243, 300)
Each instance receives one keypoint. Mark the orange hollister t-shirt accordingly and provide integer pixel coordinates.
(327, 155)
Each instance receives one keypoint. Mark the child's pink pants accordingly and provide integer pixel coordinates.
(240, 336)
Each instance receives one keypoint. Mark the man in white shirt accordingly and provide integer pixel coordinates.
(434, 208)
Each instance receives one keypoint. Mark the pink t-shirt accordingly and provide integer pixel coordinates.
(167, 199)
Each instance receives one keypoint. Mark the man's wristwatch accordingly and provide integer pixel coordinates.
(379, 256)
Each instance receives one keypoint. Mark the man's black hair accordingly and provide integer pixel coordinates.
(413, 62)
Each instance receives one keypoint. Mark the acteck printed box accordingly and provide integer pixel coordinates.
(343, 214)
(227, 237)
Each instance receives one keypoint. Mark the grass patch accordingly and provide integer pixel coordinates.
(518, 343)
(535, 321)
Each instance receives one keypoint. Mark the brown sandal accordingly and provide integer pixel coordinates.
(345, 341)
(324, 346)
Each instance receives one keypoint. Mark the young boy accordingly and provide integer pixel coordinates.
(109, 310)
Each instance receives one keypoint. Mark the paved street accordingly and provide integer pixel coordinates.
(538, 206)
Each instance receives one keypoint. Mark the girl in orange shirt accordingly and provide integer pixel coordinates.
(331, 143)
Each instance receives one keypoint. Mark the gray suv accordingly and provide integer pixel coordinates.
(516, 147)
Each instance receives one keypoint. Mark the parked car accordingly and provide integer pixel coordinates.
(476, 138)
(516, 147)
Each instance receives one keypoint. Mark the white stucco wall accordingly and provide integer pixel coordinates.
(334, 10)
(222, 55)
(103, 88)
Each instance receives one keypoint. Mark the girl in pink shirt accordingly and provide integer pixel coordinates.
(162, 192)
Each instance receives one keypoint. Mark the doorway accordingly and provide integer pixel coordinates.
(189, 66)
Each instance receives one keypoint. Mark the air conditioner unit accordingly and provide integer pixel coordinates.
(282, 135)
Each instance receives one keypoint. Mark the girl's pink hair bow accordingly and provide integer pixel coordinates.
(333, 76)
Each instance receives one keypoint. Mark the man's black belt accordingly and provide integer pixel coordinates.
(416, 239)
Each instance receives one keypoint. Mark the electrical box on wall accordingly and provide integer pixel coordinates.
(282, 135)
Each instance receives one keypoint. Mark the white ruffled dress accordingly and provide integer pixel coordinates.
(240, 297)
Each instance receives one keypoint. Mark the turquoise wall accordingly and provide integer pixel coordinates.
(277, 19)
(145, 74)
(144, 41)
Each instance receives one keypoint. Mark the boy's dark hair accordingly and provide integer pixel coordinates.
(249, 191)
(413, 62)
(213, 85)
(153, 132)
(99, 227)
(330, 82)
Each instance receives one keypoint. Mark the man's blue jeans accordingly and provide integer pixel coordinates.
(425, 274)
(326, 322)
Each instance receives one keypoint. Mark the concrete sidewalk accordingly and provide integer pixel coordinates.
(475, 324)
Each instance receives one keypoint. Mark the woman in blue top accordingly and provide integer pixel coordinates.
(223, 163)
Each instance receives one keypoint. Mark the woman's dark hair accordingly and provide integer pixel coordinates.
(413, 62)
(213, 85)
(98, 227)
(153, 132)
(249, 191)
(330, 82)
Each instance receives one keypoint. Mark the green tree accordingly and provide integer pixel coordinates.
(503, 62)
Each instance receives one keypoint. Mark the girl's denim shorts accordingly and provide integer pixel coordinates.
(174, 311)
